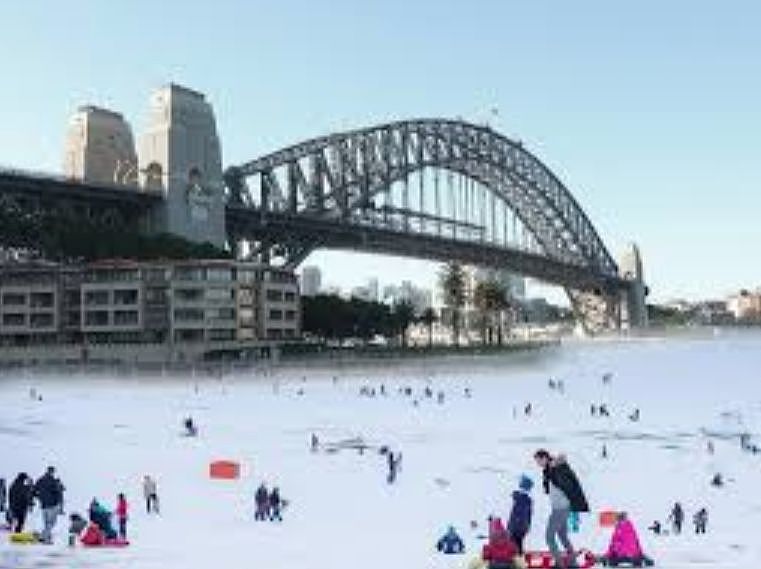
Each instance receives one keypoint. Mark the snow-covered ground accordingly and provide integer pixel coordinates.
(461, 459)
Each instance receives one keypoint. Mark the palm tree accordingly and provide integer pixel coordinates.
(403, 315)
(452, 281)
(491, 300)
(429, 318)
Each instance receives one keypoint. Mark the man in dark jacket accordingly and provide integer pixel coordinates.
(520, 516)
(262, 499)
(566, 496)
(48, 490)
(19, 500)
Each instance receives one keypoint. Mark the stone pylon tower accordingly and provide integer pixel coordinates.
(634, 304)
(180, 156)
(99, 148)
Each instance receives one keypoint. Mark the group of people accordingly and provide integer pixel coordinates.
(269, 505)
(677, 517)
(567, 500)
(48, 491)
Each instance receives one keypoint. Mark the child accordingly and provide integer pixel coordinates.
(520, 516)
(76, 525)
(499, 552)
(624, 546)
(450, 543)
(121, 515)
(275, 505)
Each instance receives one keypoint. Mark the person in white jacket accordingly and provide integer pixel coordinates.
(150, 493)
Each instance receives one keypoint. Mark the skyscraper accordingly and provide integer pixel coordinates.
(311, 281)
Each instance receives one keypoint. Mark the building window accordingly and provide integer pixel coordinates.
(221, 314)
(246, 316)
(221, 335)
(188, 314)
(273, 333)
(290, 315)
(14, 320)
(44, 320)
(220, 294)
(96, 318)
(125, 296)
(245, 296)
(246, 276)
(96, 297)
(188, 294)
(276, 314)
(156, 295)
(41, 300)
(219, 274)
(290, 296)
(188, 335)
(72, 298)
(288, 333)
(189, 274)
(14, 299)
(274, 295)
(126, 317)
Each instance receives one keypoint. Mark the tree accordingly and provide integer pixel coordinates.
(429, 318)
(403, 315)
(452, 282)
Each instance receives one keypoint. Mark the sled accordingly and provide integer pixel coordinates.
(643, 561)
(26, 537)
(608, 518)
(109, 543)
(224, 470)
(544, 560)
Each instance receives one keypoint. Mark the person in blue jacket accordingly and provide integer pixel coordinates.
(451, 543)
(520, 516)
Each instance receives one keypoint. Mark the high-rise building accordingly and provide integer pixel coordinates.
(99, 148)
(311, 281)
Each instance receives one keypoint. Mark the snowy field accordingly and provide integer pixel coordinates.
(461, 458)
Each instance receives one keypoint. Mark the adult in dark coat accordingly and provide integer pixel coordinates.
(19, 500)
(566, 496)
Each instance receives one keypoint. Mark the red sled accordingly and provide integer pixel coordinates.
(109, 543)
(584, 559)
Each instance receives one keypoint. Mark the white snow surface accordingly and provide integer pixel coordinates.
(461, 459)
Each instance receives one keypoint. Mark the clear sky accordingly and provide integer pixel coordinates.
(650, 111)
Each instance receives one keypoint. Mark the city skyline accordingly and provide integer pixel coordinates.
(649, 121)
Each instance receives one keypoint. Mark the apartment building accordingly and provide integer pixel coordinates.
(211, 302)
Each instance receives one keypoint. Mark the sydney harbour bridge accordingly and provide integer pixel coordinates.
(435, 189)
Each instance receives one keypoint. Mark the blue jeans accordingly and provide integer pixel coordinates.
(49, 517)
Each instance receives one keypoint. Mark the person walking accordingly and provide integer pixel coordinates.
(262, 499)
(701, 521)
(566, 496)
(20, 496)
(275, 505)
(49, 494)
(519, 523)
(150, 493)
(676, 517)
(121, 515)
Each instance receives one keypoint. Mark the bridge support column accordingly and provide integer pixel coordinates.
(633, 299)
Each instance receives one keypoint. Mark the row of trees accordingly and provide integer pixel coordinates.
(490, 299)
(330, 317)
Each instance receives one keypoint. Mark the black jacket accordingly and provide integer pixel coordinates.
(19, 495)
(562, 475)
(48, 490)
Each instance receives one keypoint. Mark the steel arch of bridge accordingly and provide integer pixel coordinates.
(335, 179)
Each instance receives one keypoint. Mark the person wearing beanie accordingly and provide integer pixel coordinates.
(499, 551)
(519, 523)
